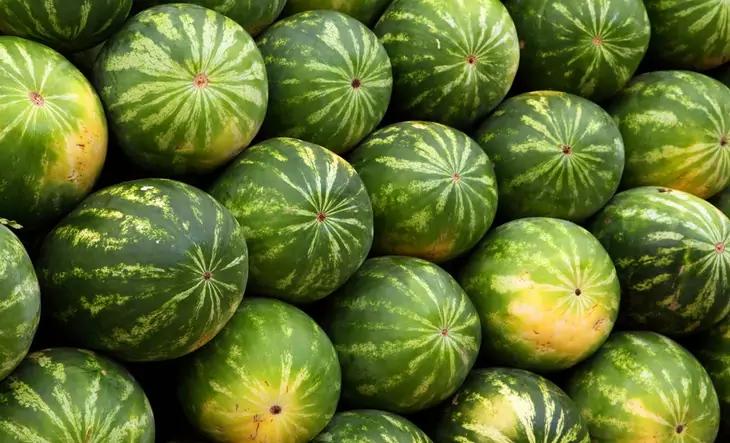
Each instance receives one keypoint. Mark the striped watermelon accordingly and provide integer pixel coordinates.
(70, 395)
(20, 300)
(53, 133)
(453, 61)
(721, 201)
(145, 270)
(271, 375)
(184, 87)
(510, 405)
(370, 426)
(433, 189)
(556, 155)
(306, 214)
(713, 351)
(329, 79)
(366, 11)
(546, 291)
(66, 26)
(405, 333)
(675, 131)
(253, 15)
(669, 248)
(690, 34)
(589, 48)
(644, 387)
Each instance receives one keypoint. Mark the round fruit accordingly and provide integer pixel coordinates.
(510, 405)
(53, 133)
(405, 333)
(329, 79)
(453, 61)
(370, 426)
(589, 48)
(713, 351)
(675, 132)
(20, 302)
(145, 270)
(721, 201)
(433, 189)
(555, 154)
(184, 86)
(306, 214)
(73, 395)
(253, 15)
(642, 386)
(271, 373)
(690, 34)
(64, 25)
(670, 255)
(366, 11)
(546, 292)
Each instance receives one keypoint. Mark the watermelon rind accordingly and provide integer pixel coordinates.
(366, 11)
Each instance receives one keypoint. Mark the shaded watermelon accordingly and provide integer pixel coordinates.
(510, 405)
(555, 155)
(145, 270)
(546, 292)
(453, 61)
(405, 333)
(370, 426)
(676, 132)
(73, 395)
(271, 375)
(329, 79)
(306, 214)
(184, 88)
(53, 140)
(642, 386)
(669, 248)
(712, 349)
(433, 189)
(366, 11)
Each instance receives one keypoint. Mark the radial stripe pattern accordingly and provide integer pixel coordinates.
(713, 351)
(406, 334)
(453, 62)
(371, 426)
(433, 189)
(271, 375)
(157, 268)
(329, 79)
(184, 86)
(68, 395)
(306, 214)
(556, 155)
(504, 405)
(642, 386)
(670, 251)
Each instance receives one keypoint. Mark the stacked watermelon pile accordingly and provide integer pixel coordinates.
(364, 221)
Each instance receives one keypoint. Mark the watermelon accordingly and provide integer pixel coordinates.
(712, 349)
(689, 34)
(721, 201)
(329, 79)
(20, 301)
(306, 215)
(271, 375)
(253, 15)
(144, 270)
(546, 291)
(510, 405)
(670, 255)
(366, 11)
(53, 136)
(433, 189)
(675, 132)
(589, 48)
(73, 395)
(370, 426)
(555, 154)
(453, 61)
(405, 333)
(643, 386)
(66, 26)
(185, 88)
